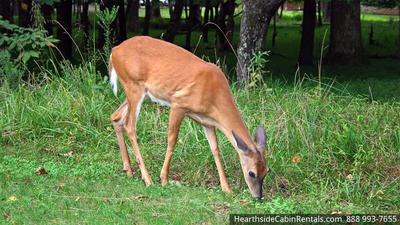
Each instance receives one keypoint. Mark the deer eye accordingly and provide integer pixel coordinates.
(251, 174)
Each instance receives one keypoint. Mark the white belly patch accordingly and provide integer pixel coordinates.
(147, 94)
(162, 102)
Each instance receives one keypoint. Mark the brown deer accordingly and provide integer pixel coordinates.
(171, 76)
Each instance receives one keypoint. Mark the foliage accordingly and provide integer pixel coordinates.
(256, 69)
(22, 43)
(381, 3)
(48, 2)
(9, 71)
(106, 18)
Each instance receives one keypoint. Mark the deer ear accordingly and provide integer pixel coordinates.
(240, 143)
(260, 137)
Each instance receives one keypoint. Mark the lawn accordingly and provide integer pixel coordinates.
(333, 146)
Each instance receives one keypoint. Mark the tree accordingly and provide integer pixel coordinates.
(132, 15)
(307, 36)
(345, 36)
(85, 24)
(25, 13)
(47, 11)
(64, 28)
(326, 11)
(5, 12)
(121, 22)
(226, 22)
(253, 28)
(146, 25)
(173, 25)
(5, 9)
(155, 9)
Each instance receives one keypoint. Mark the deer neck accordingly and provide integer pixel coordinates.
(229, 120)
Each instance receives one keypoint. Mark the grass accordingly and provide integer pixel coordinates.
(328, 153)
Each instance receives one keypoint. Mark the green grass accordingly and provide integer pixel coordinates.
(345, 137)
(348, 151)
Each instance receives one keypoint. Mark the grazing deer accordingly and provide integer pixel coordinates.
(171, 76)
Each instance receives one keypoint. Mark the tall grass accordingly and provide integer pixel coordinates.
(336, 151)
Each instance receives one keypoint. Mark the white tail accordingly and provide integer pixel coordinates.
(113, 77)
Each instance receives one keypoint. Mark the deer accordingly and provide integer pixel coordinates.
(149, 68)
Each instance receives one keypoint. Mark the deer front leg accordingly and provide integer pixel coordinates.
(176, 116)
(118, 119)
(212, 140)
(135, 96)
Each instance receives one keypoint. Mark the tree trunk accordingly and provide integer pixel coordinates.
(174, 21)
(132, 15)
(64, 29)
(226, 22)
(146, 24)
(194, 21)
(121, 22)
(206, 20)
(253, 27)
(5, 12)
(155, 9)
(345, 37)
(47, 11)
(194, 14)
(25, 13)
(5, 9)
(307, 37)
(326, 11)
(319, 13)
(274, 32)
(85, 24)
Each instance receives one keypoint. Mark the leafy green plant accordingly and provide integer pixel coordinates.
(22, 43)
(257, 69)
(106, 18)
(9, 71)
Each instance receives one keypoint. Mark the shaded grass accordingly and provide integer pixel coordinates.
(329, 152)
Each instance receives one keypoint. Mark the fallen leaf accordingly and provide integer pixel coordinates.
(12, 198)
(176, 177)
(349, 177)
(60, 186)
(296, 159)
(221, 208)
(174, 182)
(155, 214)
(77, 198)
(68, 154)
(6, 214)
(41, 171)
(208, 183)
(139, 197)
(243, 202)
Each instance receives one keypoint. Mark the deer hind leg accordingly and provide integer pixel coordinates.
(212, 140)
(118, 119)
(135, 97)
(176, 116)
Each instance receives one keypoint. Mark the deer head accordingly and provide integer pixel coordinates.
(252, 160)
